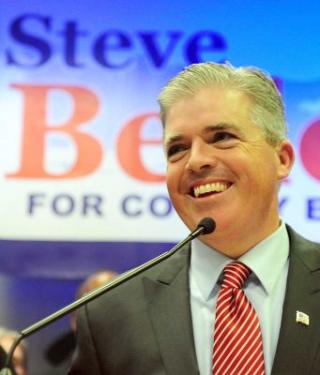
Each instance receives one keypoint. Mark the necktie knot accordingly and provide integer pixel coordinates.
(234, 275)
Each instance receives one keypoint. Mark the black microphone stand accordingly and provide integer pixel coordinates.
(206, 226)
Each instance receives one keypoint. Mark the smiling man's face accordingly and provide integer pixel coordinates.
(220, 165)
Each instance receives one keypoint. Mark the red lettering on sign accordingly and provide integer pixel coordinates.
(310, 149)
(35, 129)
(129, 146)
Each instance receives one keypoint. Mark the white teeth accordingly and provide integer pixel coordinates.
(215, 187)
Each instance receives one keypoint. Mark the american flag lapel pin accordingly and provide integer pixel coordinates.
(302, 318)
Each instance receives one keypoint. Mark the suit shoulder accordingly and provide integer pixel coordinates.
(132, 292)
(308, 251)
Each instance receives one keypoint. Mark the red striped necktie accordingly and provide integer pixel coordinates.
(237, 346)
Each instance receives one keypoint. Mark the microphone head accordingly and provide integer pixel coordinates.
(208, 225)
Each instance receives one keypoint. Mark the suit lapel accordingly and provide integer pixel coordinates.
(169, 310)
(298, 343)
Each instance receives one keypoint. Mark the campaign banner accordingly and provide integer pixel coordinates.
(82, 169)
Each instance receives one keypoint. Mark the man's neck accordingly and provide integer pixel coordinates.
(235, 245)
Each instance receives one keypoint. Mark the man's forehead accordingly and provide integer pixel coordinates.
(209, 99)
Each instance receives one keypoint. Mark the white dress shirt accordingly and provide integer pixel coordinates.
(265, 290)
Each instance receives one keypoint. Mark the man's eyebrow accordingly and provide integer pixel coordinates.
(224, 126)
(208, 129)
(221, 126)
(173, 139)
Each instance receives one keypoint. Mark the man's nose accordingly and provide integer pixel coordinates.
(201, 156)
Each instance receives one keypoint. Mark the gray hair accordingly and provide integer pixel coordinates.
(268, 109)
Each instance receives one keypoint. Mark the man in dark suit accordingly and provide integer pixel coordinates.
(227, 153)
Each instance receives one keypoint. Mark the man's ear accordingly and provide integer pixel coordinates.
(286, 158)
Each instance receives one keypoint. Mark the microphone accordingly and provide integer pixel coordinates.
(205, 226)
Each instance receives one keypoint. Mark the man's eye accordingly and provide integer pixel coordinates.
(223, 136)
(174, 149)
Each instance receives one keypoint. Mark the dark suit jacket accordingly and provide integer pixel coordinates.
(144, 327)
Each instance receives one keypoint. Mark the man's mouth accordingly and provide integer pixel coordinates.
(208, 189)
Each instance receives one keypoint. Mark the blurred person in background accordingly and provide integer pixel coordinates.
(19, 360)
(59, 353)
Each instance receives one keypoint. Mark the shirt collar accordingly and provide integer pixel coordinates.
(266, 260)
